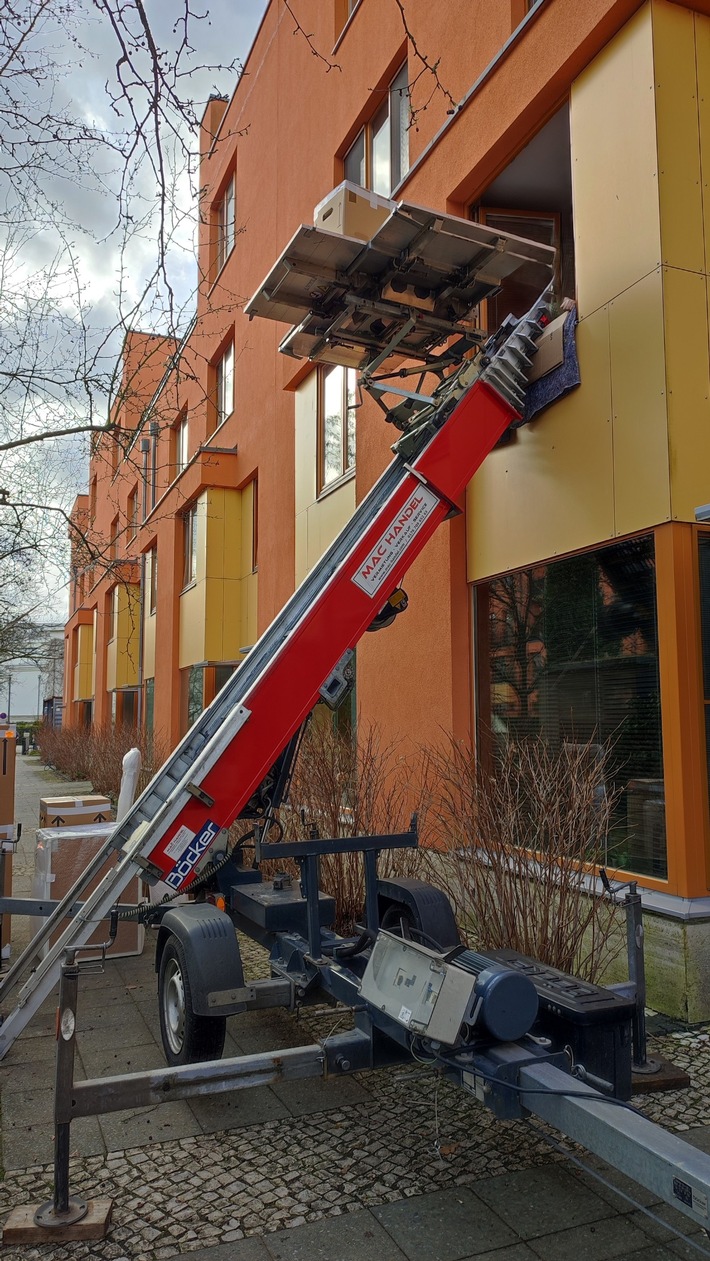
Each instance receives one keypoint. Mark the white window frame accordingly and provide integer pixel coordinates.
(226, 223)
(182, 444)
(225, 385)
(189, 546)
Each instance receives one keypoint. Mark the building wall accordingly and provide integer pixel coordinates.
(625, 453)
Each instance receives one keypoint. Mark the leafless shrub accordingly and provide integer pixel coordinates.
(520, 842)
(97, 754)
(344, 787)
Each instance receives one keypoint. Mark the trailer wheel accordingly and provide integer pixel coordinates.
(187, 1037)
(399, 920)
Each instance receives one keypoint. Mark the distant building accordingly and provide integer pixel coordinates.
(26, 683)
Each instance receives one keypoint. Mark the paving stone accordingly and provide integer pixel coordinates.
(539, 1201)
(314, 1095)
(242, 1250)
(23, 1143)
(517, 1252)
(134, 1128)
(355, 1237)
(238, 1108)
(100, 1034)
(598, 1241)
(444, 1225)
(111, 1061)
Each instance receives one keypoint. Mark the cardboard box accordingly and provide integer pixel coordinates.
(57, 812)
(8, 749)
(550, 349)
(61, 855)
(353, 211)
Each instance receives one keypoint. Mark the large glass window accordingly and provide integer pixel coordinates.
(149, 704)
(568, 651)
(336, 424)
(378, 158)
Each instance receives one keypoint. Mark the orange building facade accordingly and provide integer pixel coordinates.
(572, 596)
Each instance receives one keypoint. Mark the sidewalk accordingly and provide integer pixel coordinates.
(384, 1166)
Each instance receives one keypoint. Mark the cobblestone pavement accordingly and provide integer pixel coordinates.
(395, 1165)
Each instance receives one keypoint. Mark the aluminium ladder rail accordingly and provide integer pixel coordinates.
(220, 763)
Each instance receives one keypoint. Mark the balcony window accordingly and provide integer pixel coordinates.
(336, 424)
(113, 630)
(569, 651)
(189, 536)
(225, 385)
(379, 156)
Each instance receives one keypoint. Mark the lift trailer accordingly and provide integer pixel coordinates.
(523, 1038)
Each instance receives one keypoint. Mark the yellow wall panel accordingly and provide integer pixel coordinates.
(111, 655)
(688, 373)
(327, 517)
(149, 646)
(614, 166)
(702, 64)
(241, 506)
(551, 490)
(214, 619)
(249, 594)
(93, 663)
(677, 128)
(301, 546)
(192, 625)
(638, 387)
(127, 639)
(305, 412)
(83, 670)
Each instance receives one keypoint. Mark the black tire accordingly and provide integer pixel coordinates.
(187, 1037)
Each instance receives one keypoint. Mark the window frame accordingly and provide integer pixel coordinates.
(152, 555)
(132, 513)
(181, 443)
(115, 614)
(225, 219)
(348, 466)
(189, 546)
(224, 379)
(367, 136)
(483, 214)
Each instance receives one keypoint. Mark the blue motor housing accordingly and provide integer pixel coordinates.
(506, 1001)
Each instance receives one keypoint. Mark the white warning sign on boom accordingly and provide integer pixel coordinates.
(389, 549)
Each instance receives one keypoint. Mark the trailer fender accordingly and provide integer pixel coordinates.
(212, 957)
(426, 908)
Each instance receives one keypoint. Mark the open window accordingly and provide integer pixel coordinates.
(532, 198)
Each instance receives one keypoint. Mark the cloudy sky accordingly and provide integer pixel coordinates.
(79, 225)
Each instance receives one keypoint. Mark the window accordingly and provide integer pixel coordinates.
(113, 539)
(225, 224)
(518, 292)
(180, 444)
(704, 567)
(132, 513)
(189, 525)
(92, 501)
(152, 565)
(191, 695)
(114, 613)
(225, 385)
(336, 424)
(379, 157)
(568, 651)
(149, 704)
